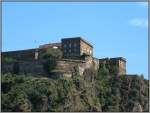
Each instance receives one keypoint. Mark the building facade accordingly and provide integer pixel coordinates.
(113, 63)
(76, 47)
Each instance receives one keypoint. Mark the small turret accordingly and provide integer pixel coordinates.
(36, 54)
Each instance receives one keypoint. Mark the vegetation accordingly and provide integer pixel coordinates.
(8, 60)
(28, 93)
(90, 92)
(51, 53)
(50, 56)
(83, 57)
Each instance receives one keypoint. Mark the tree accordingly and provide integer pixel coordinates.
(8, 60)
(50, 59)
(52, 53)
(49, 64)
(103, 72)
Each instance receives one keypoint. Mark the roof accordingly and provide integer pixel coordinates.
(103, 59)
(25, 50)
(113, 59)
(118, 58)
(78, 38)
(50, 45)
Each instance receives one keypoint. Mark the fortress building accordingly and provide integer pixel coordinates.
(75, 50)
(76, 47)
(72, 48)
(110, 63)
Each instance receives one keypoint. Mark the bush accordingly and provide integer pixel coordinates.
(8, 60)
(28, 93)
(50, 58)
(103, 73)
(49, 65)
(83, 57)
(51, 53)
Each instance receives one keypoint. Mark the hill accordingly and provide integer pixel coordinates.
(90, 92)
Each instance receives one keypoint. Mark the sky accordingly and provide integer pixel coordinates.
(115, 29)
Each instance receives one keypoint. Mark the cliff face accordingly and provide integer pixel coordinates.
(126, 93)
(90, 92)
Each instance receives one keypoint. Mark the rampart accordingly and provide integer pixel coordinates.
(64, 67)
(21, 55)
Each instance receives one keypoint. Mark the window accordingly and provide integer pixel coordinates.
(70, 45)
(70, 50)
(75, 45)
(75, 50)
(65, 45)
(65, 50)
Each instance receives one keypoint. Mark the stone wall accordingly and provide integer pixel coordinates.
(122, 67)
(85, 48)
(24, 67)
(7, 68)
(96, 63)
(71, 67)
(77, 67)
(64, 67)
(28, 54)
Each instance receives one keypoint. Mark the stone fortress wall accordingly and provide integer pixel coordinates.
(64, 67)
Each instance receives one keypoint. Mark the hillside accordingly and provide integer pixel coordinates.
(90, 92)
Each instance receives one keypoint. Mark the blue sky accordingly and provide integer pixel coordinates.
(114, 29)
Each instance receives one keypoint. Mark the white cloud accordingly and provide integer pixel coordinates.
(143, 4)
(139, 22)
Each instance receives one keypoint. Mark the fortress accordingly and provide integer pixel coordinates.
(28, 61)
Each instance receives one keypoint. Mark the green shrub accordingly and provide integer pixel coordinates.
(50, 57)
(51, 53)
(28, 93)
(49, 65)
(8, 60)
(83, 57)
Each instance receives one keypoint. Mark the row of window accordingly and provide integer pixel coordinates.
(72, 54)
(76, 51)
(70, 45)
(70, 50)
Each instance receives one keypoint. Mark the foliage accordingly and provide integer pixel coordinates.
(51, 53)
(49, 65)
(29, 93)
(8, 59)
(103, 73)
(50, 56)
(84, 56)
